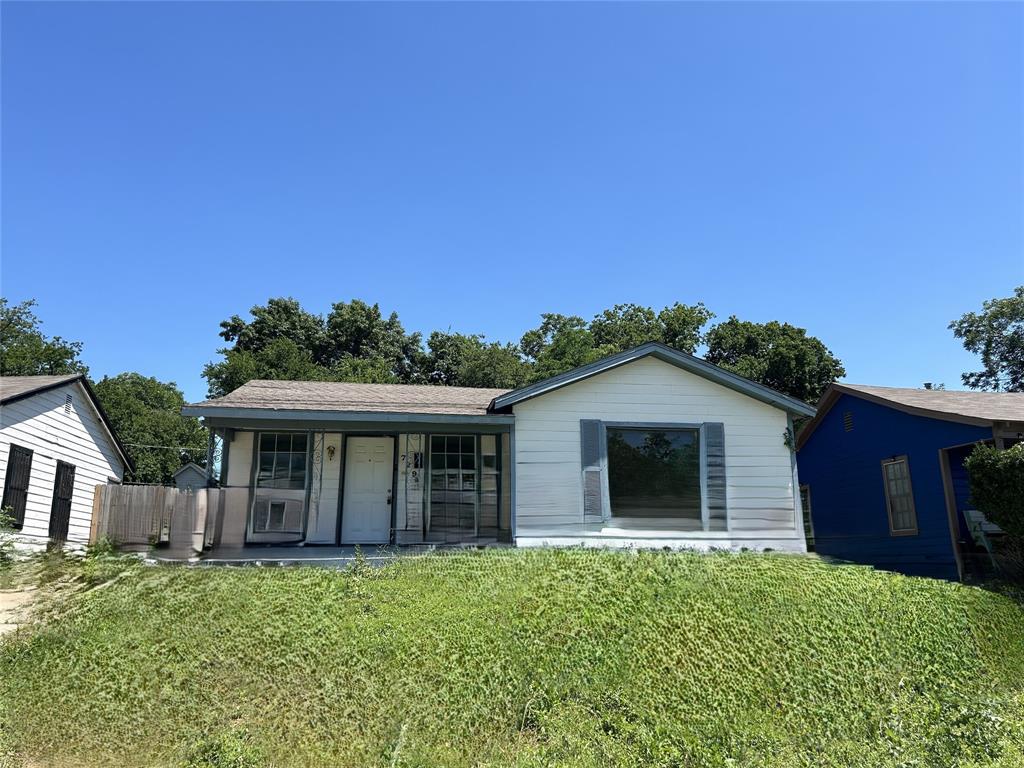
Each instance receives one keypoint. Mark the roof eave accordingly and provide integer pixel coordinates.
(833, 393)
(72, 378)
(299, 414)
(93, 399)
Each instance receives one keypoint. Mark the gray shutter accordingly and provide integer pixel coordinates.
(592, 452)
(714, 452)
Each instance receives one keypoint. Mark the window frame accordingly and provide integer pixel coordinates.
(459, 474)
(291, 453)
(802, 491)
(264, 494)
(657, 426)
(893, 531)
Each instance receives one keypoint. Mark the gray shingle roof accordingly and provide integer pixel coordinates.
(356, 398)
(12, 387)
(991, 406)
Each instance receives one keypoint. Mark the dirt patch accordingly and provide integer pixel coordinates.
(14, 605)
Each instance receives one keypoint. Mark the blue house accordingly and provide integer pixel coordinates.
(882, 475)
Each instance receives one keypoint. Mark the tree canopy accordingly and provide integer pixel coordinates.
(775, 354)
(26, 351)
(357, 342)
(997, 335)
(146, 414)
(354, 342)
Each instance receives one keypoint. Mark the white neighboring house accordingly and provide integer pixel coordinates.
(649, 448)
(56, 446)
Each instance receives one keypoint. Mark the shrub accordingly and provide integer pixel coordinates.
(225, 749)
(6, 539)
(997, 485)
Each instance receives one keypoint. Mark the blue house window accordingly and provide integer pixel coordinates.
(899, 496)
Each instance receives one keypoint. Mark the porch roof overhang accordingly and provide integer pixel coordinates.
(345, 421)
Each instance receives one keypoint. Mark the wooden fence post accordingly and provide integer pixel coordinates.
(97, 507)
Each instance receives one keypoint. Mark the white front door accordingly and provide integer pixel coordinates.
(366, 502)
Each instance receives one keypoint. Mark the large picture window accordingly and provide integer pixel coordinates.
(654, 473)
(899, 496)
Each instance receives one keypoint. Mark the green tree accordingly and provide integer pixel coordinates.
(357, 330)
(463, 360)
(146, 414)
(495, 365)
(280, 359)
(682, 325)
(563, 342)
(775, 354)
(284, 341)
(26, 351)
(625, 326)
(997, 334)
(560, 343)
(281, 318)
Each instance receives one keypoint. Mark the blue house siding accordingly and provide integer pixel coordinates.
(844, 472)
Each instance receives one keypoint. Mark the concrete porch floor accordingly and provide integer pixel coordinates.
(323, 556)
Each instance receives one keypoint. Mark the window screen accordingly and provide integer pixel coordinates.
(899, 495)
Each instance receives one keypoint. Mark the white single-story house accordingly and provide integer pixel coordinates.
(56, 446)
(651, 447)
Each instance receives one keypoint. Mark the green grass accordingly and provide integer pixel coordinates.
(527, 658)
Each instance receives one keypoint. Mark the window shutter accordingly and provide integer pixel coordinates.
(714, 453)
(592, 452)
(19, 466)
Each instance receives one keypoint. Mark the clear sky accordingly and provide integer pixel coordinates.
(855, 169)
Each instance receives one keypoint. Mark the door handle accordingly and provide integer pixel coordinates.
(389, 496)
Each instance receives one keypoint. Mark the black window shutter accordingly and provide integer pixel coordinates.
(60, 509)
(19, 466)
(592, 451)
(714, 452)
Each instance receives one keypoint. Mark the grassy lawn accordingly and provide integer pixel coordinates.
(526, 658)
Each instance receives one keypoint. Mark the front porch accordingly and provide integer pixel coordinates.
(370, 484)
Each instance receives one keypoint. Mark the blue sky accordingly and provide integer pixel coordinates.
(855, 169)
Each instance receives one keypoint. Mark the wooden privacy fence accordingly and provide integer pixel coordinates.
(140, 516)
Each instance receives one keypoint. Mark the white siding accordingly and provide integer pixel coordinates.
(39, 422)
(759, 470)
(323, 515)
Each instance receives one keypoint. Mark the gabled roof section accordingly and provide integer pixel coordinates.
(978, 408)
(14, 388)
(190, 466)
(668, 355)
(340, 397)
